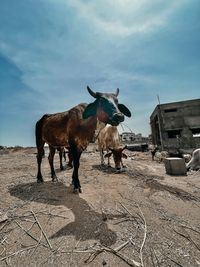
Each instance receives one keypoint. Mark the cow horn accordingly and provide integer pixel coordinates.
(91, 92)
(117, 92)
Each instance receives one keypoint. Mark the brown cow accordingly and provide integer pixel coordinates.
(109, 139)
(76, 127)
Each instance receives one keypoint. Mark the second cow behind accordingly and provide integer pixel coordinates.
(109, 140)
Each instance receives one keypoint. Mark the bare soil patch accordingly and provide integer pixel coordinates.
(138, 217)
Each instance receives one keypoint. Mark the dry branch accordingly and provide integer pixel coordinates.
(174, 261)
(39, 242)
(17, 252)
(190, 228)
(188, 237)
(130, 262)
(29, 234)
(144, 239)
(42, 230)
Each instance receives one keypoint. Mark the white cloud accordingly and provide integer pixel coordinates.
(125, 17)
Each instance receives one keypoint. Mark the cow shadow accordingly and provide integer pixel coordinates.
(88, 224)
(108, 169)
(104, 168)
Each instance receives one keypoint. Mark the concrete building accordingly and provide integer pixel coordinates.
(176, 125)
(128, 136)
(133, 138)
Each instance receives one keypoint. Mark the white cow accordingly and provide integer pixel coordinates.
(194, 163)
(109, 139)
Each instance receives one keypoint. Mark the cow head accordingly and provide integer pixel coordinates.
(106, 108)
(117, 156)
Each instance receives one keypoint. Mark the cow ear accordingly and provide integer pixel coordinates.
(123, 109)
(90, 110)
(124, 156)
(108, 155)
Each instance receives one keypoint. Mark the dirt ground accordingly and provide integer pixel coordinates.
(138, 217)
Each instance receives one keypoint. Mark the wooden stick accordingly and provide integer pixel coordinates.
(191, 228)
(144, 239)
(29, 234)
(122, 245)
(126, 209)
(187, 236)
(17, 252)
(37, 244)
(42, 230)
(177, 263)
(53, 252)
(130, 262)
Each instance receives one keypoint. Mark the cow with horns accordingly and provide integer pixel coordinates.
(76, 128)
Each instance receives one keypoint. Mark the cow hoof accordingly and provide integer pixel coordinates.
(69, 166)
(77, 190)
(54, 179)
(39, 181)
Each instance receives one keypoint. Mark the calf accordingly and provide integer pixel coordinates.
(108, 139)
(194, 163)
(117, 156)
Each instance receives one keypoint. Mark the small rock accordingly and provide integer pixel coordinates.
(104, 262)
(3, 218)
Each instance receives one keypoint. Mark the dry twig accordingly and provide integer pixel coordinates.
(17, 252)
(39, 242)
(190, 228)
(144, 239)
(29, 234)
(131, 262)
(188, 237)
(42, 230)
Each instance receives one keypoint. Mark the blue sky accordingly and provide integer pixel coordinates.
(50, 50)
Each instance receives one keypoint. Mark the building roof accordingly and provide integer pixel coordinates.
(175, 105)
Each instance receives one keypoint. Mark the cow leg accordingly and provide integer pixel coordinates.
(51, 157)
(70, 162)
(40, 154)
(123, 166)
(102, 157)
(109, 162)
(64, 155)
(76, 160)
(61, 151)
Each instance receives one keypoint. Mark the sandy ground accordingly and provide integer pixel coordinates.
(139, 217)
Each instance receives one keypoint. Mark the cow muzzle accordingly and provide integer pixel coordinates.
(117, 118)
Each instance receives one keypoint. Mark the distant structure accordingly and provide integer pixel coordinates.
(128, 136)
(131, 137)
(176, 125)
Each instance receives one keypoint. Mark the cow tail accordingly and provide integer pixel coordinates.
(38, 131)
